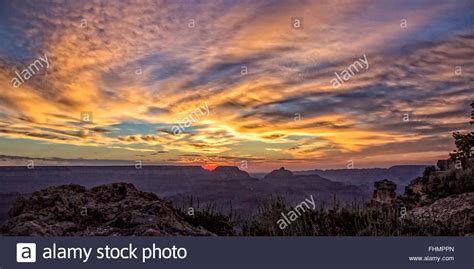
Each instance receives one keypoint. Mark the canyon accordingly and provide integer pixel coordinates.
(227, 187)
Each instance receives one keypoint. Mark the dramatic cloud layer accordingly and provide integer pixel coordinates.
(144, 68)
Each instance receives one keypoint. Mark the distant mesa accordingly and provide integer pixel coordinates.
(281, 173)
(230, 172)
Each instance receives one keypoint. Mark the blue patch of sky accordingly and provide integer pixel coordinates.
(169, 69)
(217, 72)
(9, 45)
(12, 42)
(231, 71)
(448, 20)
(162, 66)
(447, 24)
(129, 128)
(133, 128)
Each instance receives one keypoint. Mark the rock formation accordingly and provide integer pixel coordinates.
(434, 185)
(384, 193)
(230, 172)
(364, 178)
(281, 173)
(456, 209)
(113, 209)
(443, 197)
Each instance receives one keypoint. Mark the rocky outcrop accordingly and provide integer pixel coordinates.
(113, 209)
(384, 193)
(435, 185)
(230, 172)
(281, 173)
(457, 209)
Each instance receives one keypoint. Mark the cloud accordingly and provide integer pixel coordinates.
(139, 67)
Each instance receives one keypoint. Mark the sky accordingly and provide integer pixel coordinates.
(234, 82)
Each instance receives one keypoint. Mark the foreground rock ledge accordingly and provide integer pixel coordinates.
(457, 209)
(113, 209)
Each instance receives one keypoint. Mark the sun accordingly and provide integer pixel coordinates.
(209, 167)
